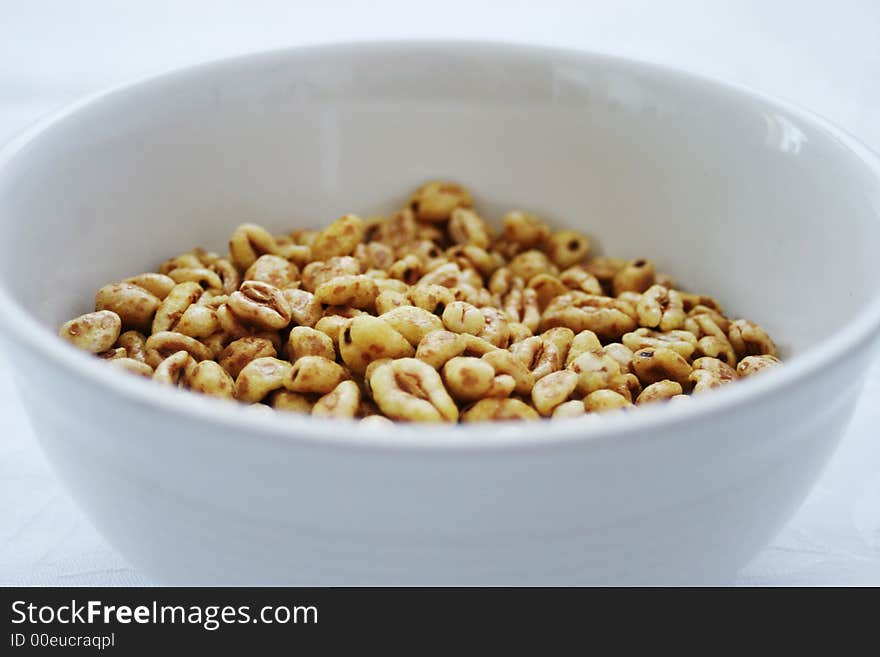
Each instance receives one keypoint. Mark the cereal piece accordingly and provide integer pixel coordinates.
(94, 332)
(435, 201)
(239, 353)
(260, 377)
(653, 365)
(753, 364)
(567, 248)
(636, 276)
(248, 243)
(554, 389)
(605, 400)
(314, 374)
(468, 378)
(749, 339)
(366, 338)
(659, 391)
(274, 270)
(343, 401)
(661, 308)
(499, 409)
(339, 238)
(210, 378)
(409, 389)
(412, 323)
(134, 305)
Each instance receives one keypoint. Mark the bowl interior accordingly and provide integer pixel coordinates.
(733, 195)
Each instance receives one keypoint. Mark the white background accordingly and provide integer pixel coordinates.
(822, 55)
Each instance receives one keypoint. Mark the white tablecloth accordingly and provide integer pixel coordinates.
(824, 57)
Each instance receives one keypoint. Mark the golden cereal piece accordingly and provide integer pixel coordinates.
(305, 341)
(710, 373)
(553, 390)
(636, 276)
(198, 321)
(364, 339)
(503, 386)
(390, 299)
(339, 238)
(462, 317)
(468, 378)
(409, 389)
(315, 273)
(652, 365)
(285, 400)
(753, 364)
(207, 279)
(659, 391)
(467, 227)
(530, 263)
(305, 310)
(605, 400)
(260, 377)
(261, 305)
(239, 353)
(435, 201)
(719, 348)
(228, 274)
(164, 343)
(661, 308)
(379, 421)
(696, 326)
(505, 362)
(343, 401)
(134, 305)
(274, 270)
(412, 323)
(605, 269)
(113, 354)
(581, 343)
(749, 339)
(134, 344)
(433, 298)
(496, 329)
(622, 354)
(539, 355)
(314, 374)
(134, 366)
(521, 306)
(158, 285)
(525, 229)
(169, 312)
(597, 371)
(519, 332)
(499, 409)
(547, 287)
(94, 332)
(437, 347)
(682, 342)
(210, 378)
(567, 248)
(563, 338)
(569, 409)
(172, 370)
(608, 318)
(356, 291)
(248, 242)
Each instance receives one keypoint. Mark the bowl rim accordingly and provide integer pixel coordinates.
(26, 331)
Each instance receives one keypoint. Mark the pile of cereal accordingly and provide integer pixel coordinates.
(427, 315)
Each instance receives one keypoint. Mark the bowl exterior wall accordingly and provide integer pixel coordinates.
(178, 499)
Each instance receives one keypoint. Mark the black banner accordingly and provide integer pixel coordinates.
(150, 620)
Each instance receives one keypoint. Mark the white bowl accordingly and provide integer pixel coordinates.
(766, 207)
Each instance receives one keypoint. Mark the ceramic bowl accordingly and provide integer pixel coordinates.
(765, 206)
